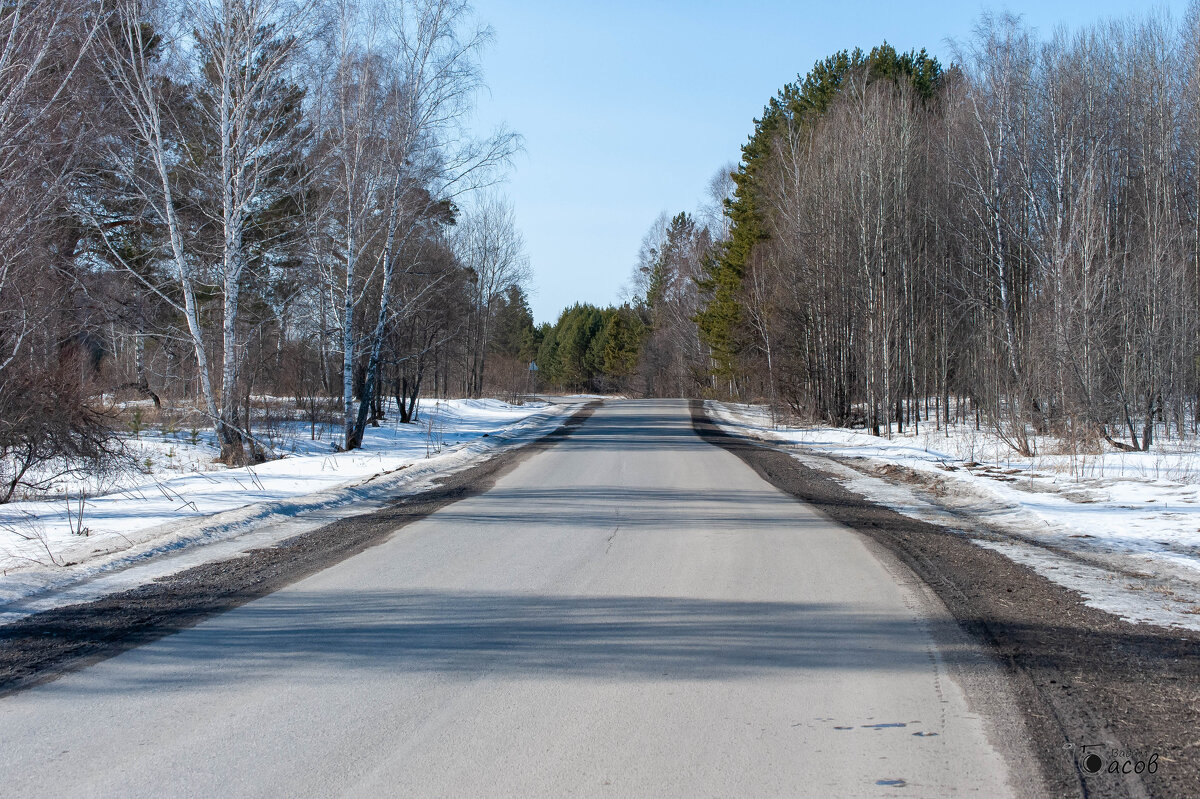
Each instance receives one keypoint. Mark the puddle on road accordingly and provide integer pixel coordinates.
(885, 726)
(891, 783)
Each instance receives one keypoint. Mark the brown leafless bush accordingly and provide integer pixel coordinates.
(51, 428)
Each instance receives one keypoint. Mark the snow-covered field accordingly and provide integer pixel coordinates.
(1121, 528)
(178, 498)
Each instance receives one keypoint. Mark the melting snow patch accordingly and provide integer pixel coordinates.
(1130, 597)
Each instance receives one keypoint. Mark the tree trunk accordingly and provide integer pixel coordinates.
(370, 384)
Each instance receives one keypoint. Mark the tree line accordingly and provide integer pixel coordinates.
(202, 202)
(648, 345)
(1012, 238)
(210, 200)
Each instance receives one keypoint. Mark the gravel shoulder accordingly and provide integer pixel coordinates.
(1079, 676)
(44, 646)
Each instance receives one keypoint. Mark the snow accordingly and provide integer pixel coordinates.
(1122, 528)
(148, 525)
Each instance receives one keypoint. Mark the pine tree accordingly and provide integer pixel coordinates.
(515, 335)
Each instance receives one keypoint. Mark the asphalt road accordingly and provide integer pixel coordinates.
(631, 612)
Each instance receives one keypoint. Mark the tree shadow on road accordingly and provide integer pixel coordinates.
(312, 634)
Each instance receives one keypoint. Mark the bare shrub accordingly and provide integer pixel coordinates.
(50, 428)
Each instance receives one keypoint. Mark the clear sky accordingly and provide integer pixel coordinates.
(629, 108)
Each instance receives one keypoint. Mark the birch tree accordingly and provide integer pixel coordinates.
(431, 157)
(208, 107)
(246, 50)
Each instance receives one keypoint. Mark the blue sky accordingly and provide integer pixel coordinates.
(629, 108)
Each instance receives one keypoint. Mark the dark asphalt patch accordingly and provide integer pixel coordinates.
(46, 645)
(1080, 676)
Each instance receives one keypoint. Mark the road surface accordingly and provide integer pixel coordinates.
(631, 612)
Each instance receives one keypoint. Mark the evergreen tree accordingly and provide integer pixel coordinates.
(623, 336)
(515, 336)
